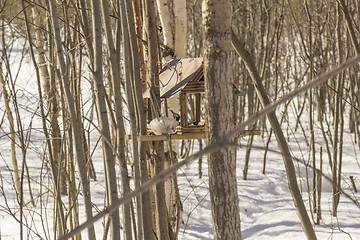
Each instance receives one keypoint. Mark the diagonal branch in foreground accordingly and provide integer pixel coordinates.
(221, 142)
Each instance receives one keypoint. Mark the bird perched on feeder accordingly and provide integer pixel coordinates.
(163, 125)
(175, 115)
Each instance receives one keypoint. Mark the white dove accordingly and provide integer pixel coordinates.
(163, 125)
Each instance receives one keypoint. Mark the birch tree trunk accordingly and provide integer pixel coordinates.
(158, 155)
(109, 164)
(129, 75)
(165, 19)
(12, 133)
(56, 167)
(311, 107)
(336, 172)
(219, 117)
(52, 100)
(145, 225)
(120, 130)
(171, 185)
(180, 28)
(161, 210)
(80, 156)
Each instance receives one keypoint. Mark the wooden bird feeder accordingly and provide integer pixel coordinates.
(184, 78)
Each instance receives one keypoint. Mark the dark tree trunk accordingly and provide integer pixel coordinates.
(220, 118)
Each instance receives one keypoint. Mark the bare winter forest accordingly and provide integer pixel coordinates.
(179, 119)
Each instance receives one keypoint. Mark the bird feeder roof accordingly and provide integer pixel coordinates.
(176, 75)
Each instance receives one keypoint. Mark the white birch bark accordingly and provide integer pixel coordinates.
(75, 126)
(180, 50)
(171, 187)
(165, 19)
(180, 28)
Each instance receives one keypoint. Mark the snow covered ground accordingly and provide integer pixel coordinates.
(267, 210)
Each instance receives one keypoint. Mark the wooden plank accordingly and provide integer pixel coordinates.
(194, 85)
(192, 135)
(198, 74)
(146, 138)
(183, 110)
(197, 107)
(194, 90)
(193, 129)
